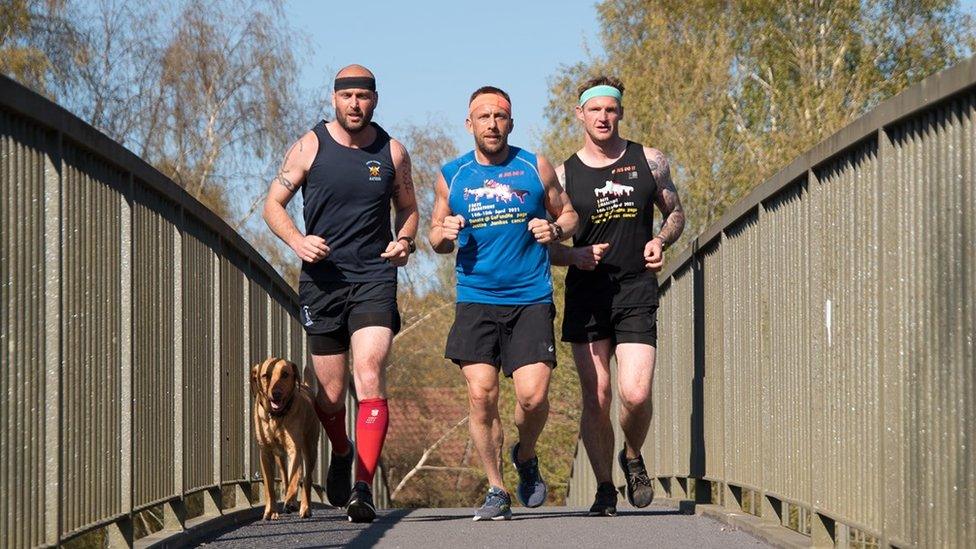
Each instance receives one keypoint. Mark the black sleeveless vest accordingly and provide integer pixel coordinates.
(347, 202)
(616, 205)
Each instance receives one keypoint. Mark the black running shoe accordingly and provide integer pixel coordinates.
(605, 504)
(339, 482)
(361, 508)
(640, 490)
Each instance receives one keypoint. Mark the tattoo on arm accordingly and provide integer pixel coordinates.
(283, 181)
(667, 199)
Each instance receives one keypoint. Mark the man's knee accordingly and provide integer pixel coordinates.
(534, 403)
(598, 401)
(482, 398)
(635, 398)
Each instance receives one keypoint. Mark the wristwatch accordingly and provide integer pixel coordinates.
(557, 231)
(411, 245)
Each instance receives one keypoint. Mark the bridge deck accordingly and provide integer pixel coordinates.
(656, 526)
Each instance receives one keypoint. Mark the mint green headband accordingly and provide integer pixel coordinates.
(602, 90)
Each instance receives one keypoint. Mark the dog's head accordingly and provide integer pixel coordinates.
(274, 382)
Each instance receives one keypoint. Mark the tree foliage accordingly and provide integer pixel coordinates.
(733, 91)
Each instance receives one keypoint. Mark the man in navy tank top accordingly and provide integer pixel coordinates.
(350, 171)
(494, 204)
(611, 286)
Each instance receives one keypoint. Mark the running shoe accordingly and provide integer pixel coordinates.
(605, 504)
(532, 489)
(339, 481)
(640, 490)
(497, 506)
(361, 508)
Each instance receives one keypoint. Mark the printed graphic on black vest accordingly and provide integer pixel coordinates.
(374, 170)
(613, 199)
(490, 204)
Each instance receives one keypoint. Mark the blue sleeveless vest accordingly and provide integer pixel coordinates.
(498, 260)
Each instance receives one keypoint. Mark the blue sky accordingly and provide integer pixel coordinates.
(428, 56)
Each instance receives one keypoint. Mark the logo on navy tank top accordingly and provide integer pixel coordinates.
(374, 170)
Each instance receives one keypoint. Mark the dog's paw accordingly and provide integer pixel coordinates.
(270, 515)
(305, 512)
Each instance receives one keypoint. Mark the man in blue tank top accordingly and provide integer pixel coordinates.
(611, 286)
(494, 202)
(350, 171)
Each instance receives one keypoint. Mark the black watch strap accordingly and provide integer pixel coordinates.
(411, 245)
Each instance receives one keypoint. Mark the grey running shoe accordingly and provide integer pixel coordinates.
(640, 490)
(532, 490)
(497, 506)
(605, 504)
(361, 508)
(338, 483)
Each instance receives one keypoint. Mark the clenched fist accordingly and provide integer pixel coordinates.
(588, 257)
(544, 231)
(451, 226)
(654, 254)
(312, 249)
(397, 253)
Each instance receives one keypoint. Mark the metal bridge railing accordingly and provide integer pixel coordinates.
(131, 315)
(817, 364)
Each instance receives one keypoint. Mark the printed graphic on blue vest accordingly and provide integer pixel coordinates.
(490, 207)
(613, 199)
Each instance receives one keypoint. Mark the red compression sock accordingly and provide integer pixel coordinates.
(335, 428)
(371, 424)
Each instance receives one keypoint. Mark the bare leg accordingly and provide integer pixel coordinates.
(484, 424)
(370, 348)
(635, 377)
(593, 364)
(532, 406)
(330, 372)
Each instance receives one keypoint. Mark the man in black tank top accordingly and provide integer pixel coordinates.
(349, 171)
(611, 287)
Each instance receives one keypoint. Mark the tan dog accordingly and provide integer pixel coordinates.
(286, 427)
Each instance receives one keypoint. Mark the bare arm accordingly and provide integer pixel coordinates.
(667, 198)
(670, 205)
(291, 176)
(405, 203)
(558, 206)
(444, 226)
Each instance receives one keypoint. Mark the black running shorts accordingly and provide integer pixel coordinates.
(331, 311)
(505, 336)
(625, 325)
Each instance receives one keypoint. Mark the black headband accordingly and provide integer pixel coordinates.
(361, 82)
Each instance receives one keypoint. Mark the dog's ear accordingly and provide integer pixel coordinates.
(296, 372)
(255, 374)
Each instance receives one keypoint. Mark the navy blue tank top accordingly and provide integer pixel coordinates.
(347, 202)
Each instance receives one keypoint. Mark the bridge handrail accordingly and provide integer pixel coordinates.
(815, 364)
(131, 315)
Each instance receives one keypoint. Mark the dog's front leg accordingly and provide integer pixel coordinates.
(295, 468)
(267, 471)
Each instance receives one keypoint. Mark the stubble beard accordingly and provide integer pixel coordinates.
(490, 150)
(364, 121)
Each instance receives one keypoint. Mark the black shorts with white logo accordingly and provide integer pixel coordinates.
(505, 336)
(621, 325)
(331, 311)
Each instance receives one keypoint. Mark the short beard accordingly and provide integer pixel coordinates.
(489, 150)
(346, 125)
